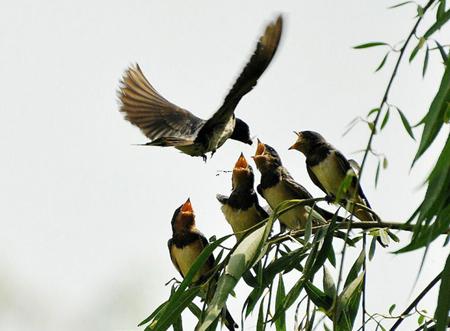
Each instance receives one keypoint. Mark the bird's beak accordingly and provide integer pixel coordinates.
(187, 207)
(241, 163)
(260, 149)
(297, 144)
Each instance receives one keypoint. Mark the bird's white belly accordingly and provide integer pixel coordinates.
(327, 175)
(241, 220)
(294, 218)
(185, 257)
(221, 134)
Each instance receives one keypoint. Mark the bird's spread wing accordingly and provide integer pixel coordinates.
(345, 166)
(260, 60)
(149, 111)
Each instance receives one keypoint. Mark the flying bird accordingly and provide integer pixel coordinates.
(166, 124)
(186, 245)
(277, 185)
(328, 168)
(241, 208)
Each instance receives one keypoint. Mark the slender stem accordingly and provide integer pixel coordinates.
(372, 133)
(416, 301)
(363, 318)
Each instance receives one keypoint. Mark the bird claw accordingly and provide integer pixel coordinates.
(204, 157)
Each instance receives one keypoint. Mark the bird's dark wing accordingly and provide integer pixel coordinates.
(260, 190)
(149, 111)
(260, 60)
(345, 166)
(295, 188)
(315, 180)
(210, 261)
(170, 244)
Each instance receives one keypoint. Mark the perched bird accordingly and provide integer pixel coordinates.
(327, 168)
(185, 246)
(169, 125)
(277, 186)
(241, 208)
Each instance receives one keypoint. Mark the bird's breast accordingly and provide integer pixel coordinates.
(329, 174)
(186, 255)
(295, 218)
(221, 133)
(241, 219)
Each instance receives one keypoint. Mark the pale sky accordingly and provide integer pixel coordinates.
(85, 215)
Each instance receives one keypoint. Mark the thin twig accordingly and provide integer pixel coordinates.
(416, 301)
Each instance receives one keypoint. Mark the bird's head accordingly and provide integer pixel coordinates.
(241, 132)
(307, 141)
(183, 218)
(242, 173)
(266, 157)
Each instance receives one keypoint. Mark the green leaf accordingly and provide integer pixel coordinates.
(377, 173)
(178, 325)
(352, 290)
(441, 9)
(308, 229)
(260, 321)
(371, 44)
(434, 118)
(391, 309)
(319, 298)
(373, 111)
(179, 299)
(405, 122)
(155, 313)
(246, 254)
(373, 245)
(328, 283)
(195, 310)
(443, 305)
(280, 322)
(439, 23)
(382, 63)
(425, 61)
(416, 49)
(420, 11)
(327, 246)
(400, 4)
(442, 51)
(385, 119)
(384, 237)
(176, 308)
(356, 267)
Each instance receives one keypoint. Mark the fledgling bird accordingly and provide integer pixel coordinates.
(169, 125)
(328, 167)
(277, 185)
(241, 208)
(186, 245)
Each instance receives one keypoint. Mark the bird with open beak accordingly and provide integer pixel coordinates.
(277, 185)
(328, 168)
(241, 209)
(169, 125)
(186, 245)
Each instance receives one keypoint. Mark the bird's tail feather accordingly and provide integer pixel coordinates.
(170, 141)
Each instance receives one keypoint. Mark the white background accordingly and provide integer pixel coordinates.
(85, 215)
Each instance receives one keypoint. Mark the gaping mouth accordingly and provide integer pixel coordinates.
(260, 149)
(187, 207)
(241, 163)
(298, 144)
